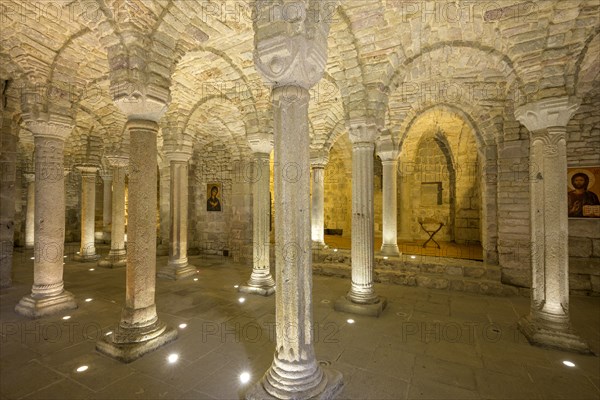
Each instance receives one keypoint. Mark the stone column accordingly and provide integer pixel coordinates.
(47, 294)
(8, 177)
(318, 162)
(361, 299)
(178, 266)
(291, 56)
(30, 210)
(107, 207)
(548, 322)
(164, 209)
(405, 200)
(87, 251)
(140, 331)
(117, 256)
(261, 282)
(388, 154)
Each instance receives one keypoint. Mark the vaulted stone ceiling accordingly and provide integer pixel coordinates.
(388, 62)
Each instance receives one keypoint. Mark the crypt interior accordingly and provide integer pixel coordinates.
(298, 199)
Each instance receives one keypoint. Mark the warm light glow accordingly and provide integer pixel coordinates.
(173, 358)
(236, 286)
(569, 364)
(88, 299)
(77, 252)
(245, 377)
(241, 299)
(350, 321)
(91, 269)
(334, 250)
(385, 257)
(67, 317)
(82, 368)
(182, 326)
(413, 257)
(32, 258)
(195, 279)
(64, 256)
(108, 333)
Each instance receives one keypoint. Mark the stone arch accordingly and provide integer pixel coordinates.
(486, 170)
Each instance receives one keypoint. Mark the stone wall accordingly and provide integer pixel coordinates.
(583, 150)
(338, 192)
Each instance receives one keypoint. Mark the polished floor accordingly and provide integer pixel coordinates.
(428, 344)
(468, 251)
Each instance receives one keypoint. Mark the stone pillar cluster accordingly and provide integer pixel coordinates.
(548, 322)
(8, 178)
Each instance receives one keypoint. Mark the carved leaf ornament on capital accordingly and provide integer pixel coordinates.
(291, 43)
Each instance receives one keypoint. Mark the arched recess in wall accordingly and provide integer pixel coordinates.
(459, 144)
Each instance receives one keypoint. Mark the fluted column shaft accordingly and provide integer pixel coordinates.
(30, 212)
(318, 204)
(178, 266)
(549, 230)
(362, 290)
(390, 211)
(107, 207)
(87, 250)
(548, 322)
(261, 282)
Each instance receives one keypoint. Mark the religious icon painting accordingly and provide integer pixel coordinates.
(583, 192)
(213, 197)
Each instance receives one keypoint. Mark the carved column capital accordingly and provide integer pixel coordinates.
(178, 151)
(87, 170)
(291, 42)
(387, 150)
(29, 176)
(541, 115)
(319, 158)
(362, 131)
(261, 143)
(118, 161)
(53, 128)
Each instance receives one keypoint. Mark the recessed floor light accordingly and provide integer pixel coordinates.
(32, 258)
(195, 279)
(241, 299)
(91, 269)
(236, 286)
(334, 250)
(245, 377)
(182, 326)
(413, 257)
(385, 257)
(350, 321)
(88, 299)
(108, 333)
(173, 358)
(569, 364)
(66, 317)
(82, 368)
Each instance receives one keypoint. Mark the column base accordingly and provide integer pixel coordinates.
(176, 272)
(331, 388)
(128, 352)
(106, 237)
(114, 261)
(319, 246)
(264, 290)
(40, 307)
(369, 309)
(541, 334)
(86, 258)
(162, 250)
(390, 250)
